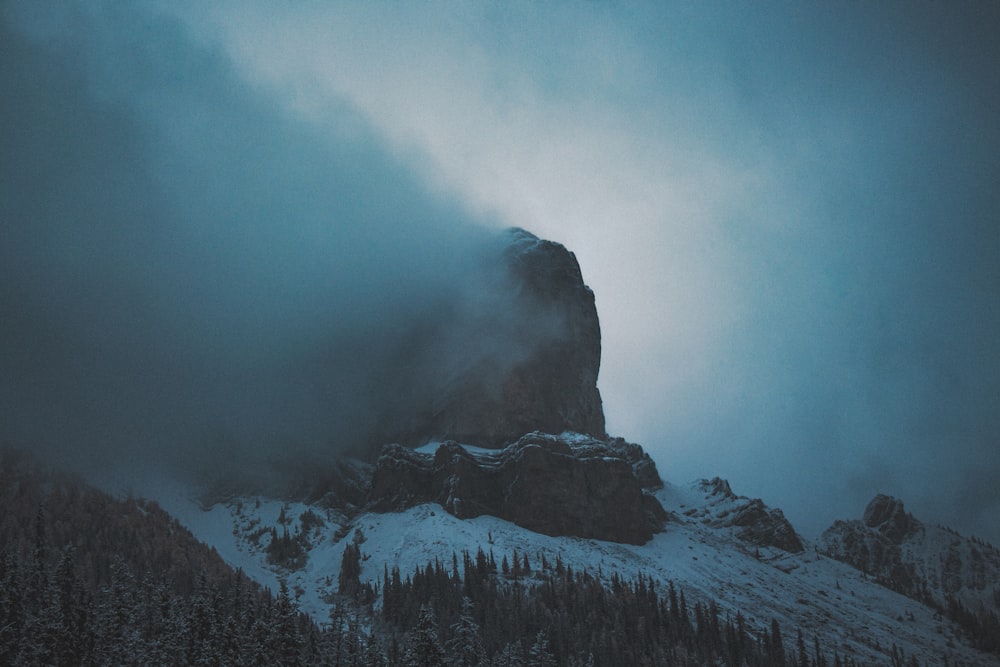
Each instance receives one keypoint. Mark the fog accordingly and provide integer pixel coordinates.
(218, 219)
(191, 277)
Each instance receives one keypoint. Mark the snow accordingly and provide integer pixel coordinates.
(951, 565)
(819, 595)
(431, 447)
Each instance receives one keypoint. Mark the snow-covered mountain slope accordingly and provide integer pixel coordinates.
(706, 549)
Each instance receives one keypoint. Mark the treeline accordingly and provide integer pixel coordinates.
(88, 579)
(48, 617)
(473, 613)
(43, 513)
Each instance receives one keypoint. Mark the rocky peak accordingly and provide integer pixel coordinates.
(887, 515)
(931, 564)
(754, 521)
(557, 485)
(551, 386)
(718, 487)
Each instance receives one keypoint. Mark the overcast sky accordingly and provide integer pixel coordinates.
(788, 213)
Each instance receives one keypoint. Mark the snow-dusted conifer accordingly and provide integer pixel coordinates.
(465, 648)
(423, 647)
(509, 656)
(289, 639)
(540, 653)
(348, 581)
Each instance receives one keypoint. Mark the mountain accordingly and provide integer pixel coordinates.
(724, 580)
(723, 550)
(512, 530)
(955, 575)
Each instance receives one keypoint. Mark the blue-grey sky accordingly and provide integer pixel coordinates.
(788, 213)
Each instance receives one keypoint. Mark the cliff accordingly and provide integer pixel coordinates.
(556, 485)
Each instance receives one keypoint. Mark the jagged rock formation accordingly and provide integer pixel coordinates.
(755, 523)
(887, 516)
(556, 485)
(931, 564)
(550, 384)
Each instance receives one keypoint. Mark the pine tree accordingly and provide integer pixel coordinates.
(11, 609)
(776, 647)
(540, 654)
(465, 649)
(39, 576)
(818, 659)
(348, 581)
(352, 642)
(289, 639)
(423, 646)
(117, 622)
(800, 644)
(509, 656)
(372, 655)
(70, 629)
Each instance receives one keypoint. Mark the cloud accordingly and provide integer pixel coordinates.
(784, 213)
(787, 214)
(534, 132)
(192, 274)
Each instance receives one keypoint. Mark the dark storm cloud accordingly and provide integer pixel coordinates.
(186, 271)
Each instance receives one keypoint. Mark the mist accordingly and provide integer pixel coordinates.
(787, 214)
(227, 227)
(189, 276)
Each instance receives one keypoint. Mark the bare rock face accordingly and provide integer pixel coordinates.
(869, 551)
(755, 523)
(931, 564)
(873, 545)
(550, 484)
(886, 515)
(549, 383)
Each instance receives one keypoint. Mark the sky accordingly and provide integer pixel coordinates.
(788, 213)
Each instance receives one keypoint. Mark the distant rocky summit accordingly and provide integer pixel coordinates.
(557, 485)
(549, 383)
(887, 516)
(932, 564)
(752, 520)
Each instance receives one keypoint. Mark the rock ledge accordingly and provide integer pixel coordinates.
(556, 485)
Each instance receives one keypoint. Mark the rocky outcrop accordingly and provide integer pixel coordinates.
(545, 375)
(886, 515)
(873, 545)
(931, 564)
(754, 522)
(642, 463)
(556, 485)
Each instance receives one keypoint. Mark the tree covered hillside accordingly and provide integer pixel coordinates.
(88, 579)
